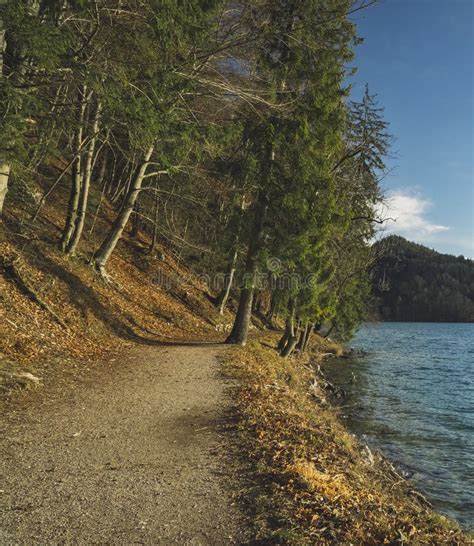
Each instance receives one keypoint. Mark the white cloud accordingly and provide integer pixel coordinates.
(406, 212)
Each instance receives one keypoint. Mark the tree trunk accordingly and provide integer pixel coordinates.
(135, 221)
(76, 182)
(241, 325)
(273, 304)
(257, 302)
(14, 53)
(73, 205)
(299, 345)
(283, 341)
(101, 183)
(307, 337)
(289, 325)
(2, 44)
(222, 298)
(239, 332)
(303, 338)
(290, 338)
(123, 181)
(5, 166)
(154, 238)
(110, 242)
(102, 171)
(4, 176)
(228, 281)
(289, 347)
(85, 186)
(328, 333)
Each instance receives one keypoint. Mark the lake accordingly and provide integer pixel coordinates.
(412, 397)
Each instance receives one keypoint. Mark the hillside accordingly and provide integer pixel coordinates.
(414, 283)
(57, 312)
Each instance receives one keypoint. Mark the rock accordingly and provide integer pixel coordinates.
(368, 455)
(28, 376)
(355, 353)
(11, 381)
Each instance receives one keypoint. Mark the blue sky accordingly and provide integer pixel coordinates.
(418, 58)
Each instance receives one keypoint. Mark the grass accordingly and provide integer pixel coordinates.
(314, 483)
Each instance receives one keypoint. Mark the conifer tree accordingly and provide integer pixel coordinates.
(28, 64)
(303, 57)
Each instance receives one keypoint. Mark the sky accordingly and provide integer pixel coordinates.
(418, 57)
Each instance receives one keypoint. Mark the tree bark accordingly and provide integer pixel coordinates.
(4, 176)
(304, 334)
(241, 325)
(307, 337)
(154, 238)
(15, 66)
(85, 186)
(5, 167)
(76, 182)
(239, 333)
(240, 329)
(273, 304)
(328, 333)
(102, 171)
(110, 242)
(299, 345)
(289, 347)
(2, 44)
(136, 221)
(289, 325)
(223, 297)
(257, 302)
(283, 341)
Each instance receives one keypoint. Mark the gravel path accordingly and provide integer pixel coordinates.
(136, 454)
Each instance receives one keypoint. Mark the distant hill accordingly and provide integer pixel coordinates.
(414, 283)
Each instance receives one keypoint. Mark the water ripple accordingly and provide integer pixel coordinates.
(415, 398)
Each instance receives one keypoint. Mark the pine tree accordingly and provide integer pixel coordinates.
(303, 57)
(32, 48)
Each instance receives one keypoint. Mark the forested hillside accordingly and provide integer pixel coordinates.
(414, 283)
(221, 132)
(176, 174)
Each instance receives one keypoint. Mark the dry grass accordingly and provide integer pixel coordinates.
(314, 483)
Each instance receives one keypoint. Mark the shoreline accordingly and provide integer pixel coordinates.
(405, 398)
(319, 478)
(337, 395)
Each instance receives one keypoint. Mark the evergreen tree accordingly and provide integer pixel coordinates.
(226, 134)
(303, 58)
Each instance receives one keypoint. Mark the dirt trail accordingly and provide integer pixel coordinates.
(137, 454)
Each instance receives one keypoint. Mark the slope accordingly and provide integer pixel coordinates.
(415, 283)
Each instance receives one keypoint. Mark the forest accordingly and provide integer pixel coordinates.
(176, 175)
(414, 283)
(223, 131)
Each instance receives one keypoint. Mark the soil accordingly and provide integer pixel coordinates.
(136, 451)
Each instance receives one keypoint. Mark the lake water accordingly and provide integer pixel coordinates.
(412, 397)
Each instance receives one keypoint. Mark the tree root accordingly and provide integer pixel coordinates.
(12, 271)
(106, 278)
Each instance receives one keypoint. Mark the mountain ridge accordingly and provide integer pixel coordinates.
(413, 283)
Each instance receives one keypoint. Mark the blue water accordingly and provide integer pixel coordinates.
(412, 397)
